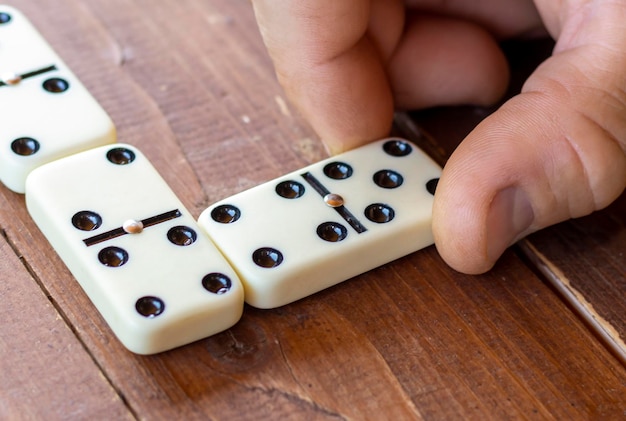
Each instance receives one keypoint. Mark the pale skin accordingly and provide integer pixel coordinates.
(555, 151)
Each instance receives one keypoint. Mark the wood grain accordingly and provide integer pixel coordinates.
(41, 356)
(190, 84)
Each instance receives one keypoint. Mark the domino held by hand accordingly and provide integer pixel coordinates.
(328, 222)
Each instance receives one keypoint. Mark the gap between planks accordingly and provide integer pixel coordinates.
(575, 299)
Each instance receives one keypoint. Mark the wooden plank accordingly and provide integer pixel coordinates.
(46, 372)
(189, 83)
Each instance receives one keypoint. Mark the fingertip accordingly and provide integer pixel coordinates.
(353, 105)
(509, 218)
(337, 141)
(331, 67)
(455, 240)
(482, 205)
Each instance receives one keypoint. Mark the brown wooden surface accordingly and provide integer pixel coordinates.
(41, 356)
(190, 84)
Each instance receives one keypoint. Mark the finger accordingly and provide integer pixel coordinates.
(446, 61)
(556, 151)
(329, 66)
(336, 62)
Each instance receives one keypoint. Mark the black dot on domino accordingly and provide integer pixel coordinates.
(267, 257)
(397, 147)
(379, 213)
(217, 283)
(290, 189)
(332, 231)
(86, 220)
(388, 179)
(338, 170)
(225, 214)
(149, 306)
(4, 18)
(182, 235)
(120, 156)
(431, 185)
(56, 85)
(113, 256)
(25, 146)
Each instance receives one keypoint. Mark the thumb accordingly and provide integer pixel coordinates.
(554, 152)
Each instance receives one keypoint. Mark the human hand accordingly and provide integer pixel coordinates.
(555, 151)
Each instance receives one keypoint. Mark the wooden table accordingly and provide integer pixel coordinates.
(189, 83)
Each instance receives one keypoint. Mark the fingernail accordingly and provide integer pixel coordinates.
(509, 216)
